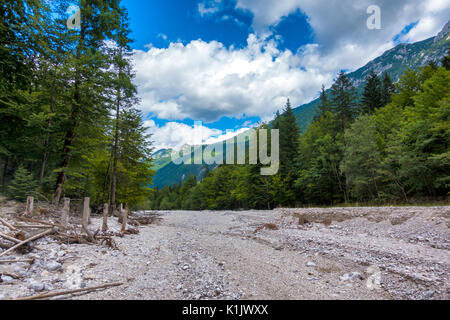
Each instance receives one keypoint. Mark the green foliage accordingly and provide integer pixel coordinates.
(23, 185)
(372, 97)
(57, 90)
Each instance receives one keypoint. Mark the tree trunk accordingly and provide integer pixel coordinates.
(47, 139)
(115, 154)
(5, 168)
(70, 133)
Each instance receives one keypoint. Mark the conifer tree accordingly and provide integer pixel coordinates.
(372, 96)
(344, 100)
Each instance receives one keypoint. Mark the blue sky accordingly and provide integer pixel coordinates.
(233, 63)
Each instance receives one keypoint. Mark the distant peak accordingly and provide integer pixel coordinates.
(444, 33)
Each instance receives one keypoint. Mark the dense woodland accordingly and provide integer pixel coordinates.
(69, 127)
(391, 145)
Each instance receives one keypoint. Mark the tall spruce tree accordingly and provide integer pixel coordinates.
(372, 97)
(344, 100)
(324, 104)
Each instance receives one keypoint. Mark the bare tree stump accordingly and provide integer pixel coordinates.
(124, 219)
(30, 206)
(105, 218)
(120, 214)
(86, 214)
(65, 213)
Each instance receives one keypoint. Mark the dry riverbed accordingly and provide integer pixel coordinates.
(345, 253)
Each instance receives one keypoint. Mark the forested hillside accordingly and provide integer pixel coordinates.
(394, 62)
(392, 145)
(69, 127)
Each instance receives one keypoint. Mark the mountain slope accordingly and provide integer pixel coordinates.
(394, 62)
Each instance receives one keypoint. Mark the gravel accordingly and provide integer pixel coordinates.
(365, 253)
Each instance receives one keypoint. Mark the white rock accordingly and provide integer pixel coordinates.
(310, 264)
(7, 279)
(36, 286)
(53, 266)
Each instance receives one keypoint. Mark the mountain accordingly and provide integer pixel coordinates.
(394, 62)
(161, 158)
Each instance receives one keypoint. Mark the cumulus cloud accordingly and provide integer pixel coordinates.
(174, 135)
(340, 29)
(206, 81)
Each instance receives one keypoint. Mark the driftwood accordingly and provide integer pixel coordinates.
(5, 223)
(4, 236)
(38, 236)
(41, 222)
(30, 261)
(26, 226)
(63, 293)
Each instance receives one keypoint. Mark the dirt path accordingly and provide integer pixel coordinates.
(218, 255)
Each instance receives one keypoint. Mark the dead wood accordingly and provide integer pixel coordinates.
(68, 292)
(38, 236)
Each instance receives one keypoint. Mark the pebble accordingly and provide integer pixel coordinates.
(53, 266)
(429, 294)
(2, 297)
(310, 264)
(36, 286)
(7, 279)
(351, 276)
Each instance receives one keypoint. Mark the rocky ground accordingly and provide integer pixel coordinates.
(346, 253)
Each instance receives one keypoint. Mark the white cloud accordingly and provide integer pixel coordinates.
(209, 7)
(206, 81)
(174, 135)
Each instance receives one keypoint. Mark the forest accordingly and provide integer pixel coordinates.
(389, 145)
(69, 123)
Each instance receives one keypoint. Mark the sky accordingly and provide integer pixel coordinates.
(232, 64)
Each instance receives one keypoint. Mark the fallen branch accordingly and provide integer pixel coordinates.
(38, 236)
(5, 223)
(4, 236)
(41, 222)
(25, 226)
(30, 261)
(63, 293)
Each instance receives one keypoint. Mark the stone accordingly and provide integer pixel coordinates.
(7, 279)
(36, 286)
(429, 294)
(310, 264)
(279, 248)
(2, 297)
(351, 276)
(53, 266)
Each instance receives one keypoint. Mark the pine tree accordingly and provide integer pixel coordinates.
(387, 89)
(372, 96)
(324, 105)
(23, 185)
(344, 100)
(289, 133)
(446, 60)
